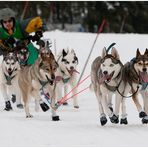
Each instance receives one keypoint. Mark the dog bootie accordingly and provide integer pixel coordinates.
(44, 106)
(20, 106)
(65, 103)
(123, 121)
(103, 120)
(114, 119)
(13, 99)
(142, 114)
(8, 106)
(55, 118)
(145, 120)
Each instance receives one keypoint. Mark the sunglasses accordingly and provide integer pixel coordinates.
(8, 21)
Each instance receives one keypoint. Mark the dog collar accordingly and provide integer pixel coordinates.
(144, 85)
(65, 80)
(111, 88)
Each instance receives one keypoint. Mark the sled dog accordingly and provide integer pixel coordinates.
(135, 81)
(67, 74)
(37, 77)
(9, 79)
(105, 78)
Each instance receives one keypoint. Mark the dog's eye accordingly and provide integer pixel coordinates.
(139, 63)
(66, 62)
(73, 62)
(12, 63)
(103, 65)
(47, 69)
(7, 63)
(54, 69)
(111, 65)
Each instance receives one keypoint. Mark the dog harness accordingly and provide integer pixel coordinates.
(9, 79)
(65, 80)
(43, 83)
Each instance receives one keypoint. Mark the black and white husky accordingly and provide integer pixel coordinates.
(9, 79)
(67, 74)
(105, 78)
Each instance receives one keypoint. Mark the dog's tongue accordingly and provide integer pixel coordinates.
(144, 77)
(9, 72)
(103, 78)
(73, 70)
(58, 78)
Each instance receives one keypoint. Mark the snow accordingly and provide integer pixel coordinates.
(78, 127)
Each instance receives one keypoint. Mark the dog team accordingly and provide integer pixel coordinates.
(49, 74)
(109, 76)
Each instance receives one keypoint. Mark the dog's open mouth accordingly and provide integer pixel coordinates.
(49, 80)
(143, 77)
(106, 77)
(10, 72)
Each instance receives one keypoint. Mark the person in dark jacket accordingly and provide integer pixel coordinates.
(13, 30)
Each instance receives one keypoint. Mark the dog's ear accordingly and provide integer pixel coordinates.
(138, 53)
(114, 53)
(146, 52)
(104, 52)
(64, 53)
(72, 51)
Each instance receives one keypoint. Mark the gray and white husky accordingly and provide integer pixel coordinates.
(105, 78)
(9, 79)
(67, 74)
(135, 81)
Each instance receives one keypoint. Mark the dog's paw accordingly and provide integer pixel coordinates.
(114, 119)
(7, 109)
(29, 116)
(76, 106)
(103, 120)
(44, 106)
(55, 118)
(65, 103)
(145, 120)
(123, 121)
(8, 106)
(20, 106)
(142, 114)
(13, 99)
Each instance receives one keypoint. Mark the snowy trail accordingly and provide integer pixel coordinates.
(78, 127)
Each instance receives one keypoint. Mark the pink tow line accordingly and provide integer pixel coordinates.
(65, 98)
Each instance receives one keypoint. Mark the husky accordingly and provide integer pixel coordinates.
(22, 53)
(39, 77)
(67, 74)
(105, 78)
(9, 79)
(135, 81)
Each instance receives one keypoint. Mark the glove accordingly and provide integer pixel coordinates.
(37, 36)
(41, 43)
(9, 42)
(34, 25)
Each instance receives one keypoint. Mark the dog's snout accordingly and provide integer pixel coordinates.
(52, 76)
(144, 69)
(71, 68)
(105, 72)
(9, 69)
